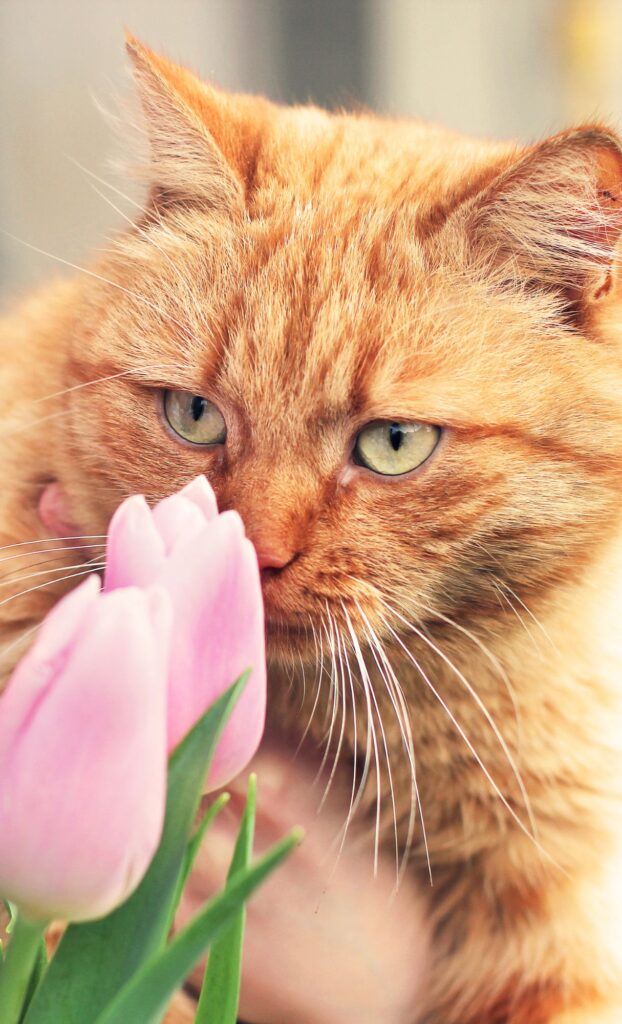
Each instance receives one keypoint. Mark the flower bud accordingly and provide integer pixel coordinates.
(83, 754)
(209, 569)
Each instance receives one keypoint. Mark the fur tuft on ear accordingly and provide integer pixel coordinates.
(186, 165)
(553, 219)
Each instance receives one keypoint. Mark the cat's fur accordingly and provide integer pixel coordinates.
(311, 273)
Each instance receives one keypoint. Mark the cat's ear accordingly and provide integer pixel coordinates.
(186, 164)
(553, 219)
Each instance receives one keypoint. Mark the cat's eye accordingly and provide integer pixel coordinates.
(392, 449)
(194, 418)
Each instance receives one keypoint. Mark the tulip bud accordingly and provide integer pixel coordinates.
(209, 569)
(83, 754)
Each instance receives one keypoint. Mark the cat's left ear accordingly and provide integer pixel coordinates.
(186, 163)
(553, 218)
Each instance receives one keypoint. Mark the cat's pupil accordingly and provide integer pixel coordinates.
(197, 407)
(396, 436)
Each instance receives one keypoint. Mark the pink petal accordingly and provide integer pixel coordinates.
(242, 734)
(36, 671)
(175, 519)
(82, 788)
(135, 550)
(201, 494)
(218, 633)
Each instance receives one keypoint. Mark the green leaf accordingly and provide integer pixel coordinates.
(144, 999)
(18, 967)
(95, 959)
(39, 970)
(12, 912)
(193, 846)
(220, 993)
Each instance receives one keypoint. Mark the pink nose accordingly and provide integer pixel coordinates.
(274, 557)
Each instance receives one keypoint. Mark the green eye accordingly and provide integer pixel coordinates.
(194, 418)
(392, 449)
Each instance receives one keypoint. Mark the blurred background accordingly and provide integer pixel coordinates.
(502, 68)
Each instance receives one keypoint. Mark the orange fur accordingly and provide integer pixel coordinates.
(311, 273)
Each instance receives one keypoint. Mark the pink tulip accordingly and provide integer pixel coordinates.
(209, 568)
(83, 755)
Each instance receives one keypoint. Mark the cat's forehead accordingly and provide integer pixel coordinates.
(322, 292)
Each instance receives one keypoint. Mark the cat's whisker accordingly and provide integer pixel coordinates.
(352, 805)
(303, 676)
(396, 695)
(407, 742)
(107, 184)
(50, 551)
(374, 740)
(370, 689)
(531, 615)
(183, 281)
(495, 787)
(43, 572)
(20, 639)
(507, 589)
(345, 663)
(46, 540)
(481, 646)
(163, 314)
(84, 571)
(103, 380)
(332, 703)
(476, 640)
(369, 747)
(482, 707)
(319, 646)
(35, 423)
(340, 690)
(509, 604)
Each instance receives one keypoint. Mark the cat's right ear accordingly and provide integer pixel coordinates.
(186, 166)
(552, 220)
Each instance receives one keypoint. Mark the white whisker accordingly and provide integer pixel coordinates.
(476, 697)
(46, 540)
(398, 700)
(370, 689)
(163, 314)
(340, 689)
(499, 793)
(44, 572)
(66, 548)
(41, 586)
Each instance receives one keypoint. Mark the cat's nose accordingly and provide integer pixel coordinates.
(274, 556)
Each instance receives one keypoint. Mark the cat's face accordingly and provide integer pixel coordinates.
(405, 428)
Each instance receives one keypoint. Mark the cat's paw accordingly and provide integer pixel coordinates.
(326, 941)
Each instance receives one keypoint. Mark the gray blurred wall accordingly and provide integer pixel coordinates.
(506, 68)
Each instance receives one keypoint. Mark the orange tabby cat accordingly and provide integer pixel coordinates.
(397, 352)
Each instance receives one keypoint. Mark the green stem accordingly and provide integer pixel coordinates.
(17, 968)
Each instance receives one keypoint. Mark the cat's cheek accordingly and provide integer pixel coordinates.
(53, 512)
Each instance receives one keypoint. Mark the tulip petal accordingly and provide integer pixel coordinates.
(135, 551)
(218, 633)
(82, 787)
(242, 733)
(201, 494)
(209, 569)
(175, 519)
(37, 669)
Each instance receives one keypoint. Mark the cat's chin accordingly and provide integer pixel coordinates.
(289, 640)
